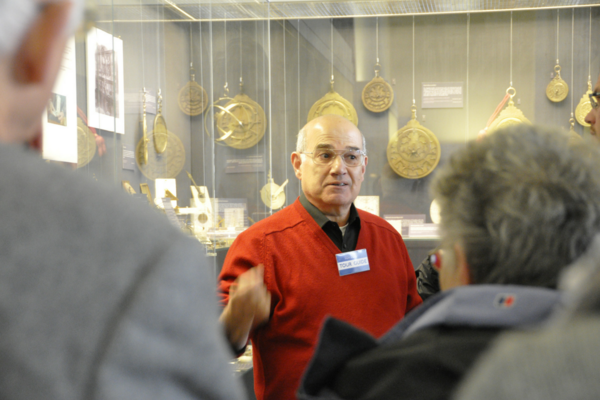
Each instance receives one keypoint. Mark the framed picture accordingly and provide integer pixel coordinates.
(105, 89)
(60, 119)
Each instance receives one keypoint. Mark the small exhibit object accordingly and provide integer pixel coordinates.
(368, 204)
(414, 151)
(273, 195)
(377, 95)
(510, 116)
(333, 103)
(161, 187)
(145, 189)
(557, 90)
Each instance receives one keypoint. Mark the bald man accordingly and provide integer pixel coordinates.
(99, 299)
(319, 256)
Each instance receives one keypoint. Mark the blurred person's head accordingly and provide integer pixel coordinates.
(516, 208)
(33, 34)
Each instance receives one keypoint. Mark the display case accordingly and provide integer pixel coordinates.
(202, 101)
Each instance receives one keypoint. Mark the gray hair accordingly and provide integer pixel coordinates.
(301, 142)
(16, 16)
(522, 203)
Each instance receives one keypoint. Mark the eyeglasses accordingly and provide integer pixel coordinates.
(593, 100)
(352, 158)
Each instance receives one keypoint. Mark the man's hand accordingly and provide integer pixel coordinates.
(249, 306)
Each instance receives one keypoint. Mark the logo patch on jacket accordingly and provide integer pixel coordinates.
(505, 300)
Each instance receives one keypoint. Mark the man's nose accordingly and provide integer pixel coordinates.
(590, 118)
(337, 165)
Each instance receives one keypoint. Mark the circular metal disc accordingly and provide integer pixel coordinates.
(193, 99)
(414, 152)
(333, 103)
(166, 165)
(557, 90)
(377, 95)
(267, 198)
(241, 123)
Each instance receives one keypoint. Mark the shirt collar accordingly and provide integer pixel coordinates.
(319, 217)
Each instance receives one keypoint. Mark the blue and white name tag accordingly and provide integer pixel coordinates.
(352, 262)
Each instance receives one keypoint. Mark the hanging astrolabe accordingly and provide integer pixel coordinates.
(192, 98)
(511, 115)
(584, 107)
(86, 144)
(160, 135)
(414, 151)
(240, 122)
(333, 103)
(272, 194)
(377, 95)
(557, 90)
(164, 165)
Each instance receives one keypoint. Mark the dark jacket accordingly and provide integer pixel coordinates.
(425, 355)
(428, 282)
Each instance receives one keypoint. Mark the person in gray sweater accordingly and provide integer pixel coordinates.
(99, 297)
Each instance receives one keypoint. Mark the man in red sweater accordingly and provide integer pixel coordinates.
(320, 256)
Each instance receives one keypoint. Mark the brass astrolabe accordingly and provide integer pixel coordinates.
(584, 107)
(86, 144)
(161, 165)
(377, 95)
(240, 123)
(192, 98)
(273, 195)
(160, 129)
(557, 90)
(333, 103)
(414, 151)
(511, 115)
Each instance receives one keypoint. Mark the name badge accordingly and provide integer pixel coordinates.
(352, 262)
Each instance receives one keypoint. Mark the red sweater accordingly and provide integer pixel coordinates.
(302, 275)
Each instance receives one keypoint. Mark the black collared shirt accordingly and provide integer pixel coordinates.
(345, 242)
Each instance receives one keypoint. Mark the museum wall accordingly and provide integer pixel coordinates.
(286, 67)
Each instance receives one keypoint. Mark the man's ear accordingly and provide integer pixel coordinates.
(296, 163)
(462, 266)
(42, 47)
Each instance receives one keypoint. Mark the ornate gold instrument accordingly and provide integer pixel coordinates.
(240, 122)
(333, 103)
(414, 152)
(192, 98)
(160, 129)
(273, 195)
(584, 107)
(377, 95)
(511, 115)
(166, 165)
(557, 90)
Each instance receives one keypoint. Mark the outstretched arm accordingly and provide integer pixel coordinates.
(248, 307)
